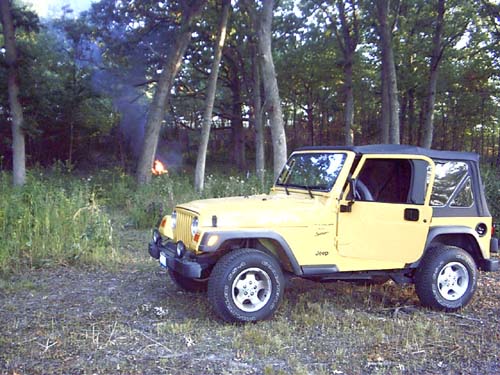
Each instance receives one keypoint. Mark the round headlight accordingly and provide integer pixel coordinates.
(156, 236)
(180, 249)
(194, 226)
(174, 219)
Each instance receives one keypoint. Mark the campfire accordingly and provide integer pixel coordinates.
(158, 168)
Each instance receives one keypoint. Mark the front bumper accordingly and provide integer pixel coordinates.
(494, 245)
(186, 265)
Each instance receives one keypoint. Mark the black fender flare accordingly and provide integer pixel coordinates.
(224, 236)
(435, 232)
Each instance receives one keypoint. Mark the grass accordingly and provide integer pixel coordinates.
(58, 218)
(46, 223)
(136, 321)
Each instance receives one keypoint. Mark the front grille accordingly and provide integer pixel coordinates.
(183, 228)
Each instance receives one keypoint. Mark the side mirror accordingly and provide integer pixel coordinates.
(352, 189)
(350, 197)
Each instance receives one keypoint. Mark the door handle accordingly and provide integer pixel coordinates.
(412, 214)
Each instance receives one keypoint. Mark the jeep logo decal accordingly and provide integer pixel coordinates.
(321, 253)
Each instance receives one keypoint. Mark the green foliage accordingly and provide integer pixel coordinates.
(50, 222)
(144, 205)
(491, 181)
(96, 116)
(63, 112)
(58, 218)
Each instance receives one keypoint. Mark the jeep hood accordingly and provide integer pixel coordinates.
(258, 211)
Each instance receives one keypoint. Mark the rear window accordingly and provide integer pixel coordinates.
(452, 185)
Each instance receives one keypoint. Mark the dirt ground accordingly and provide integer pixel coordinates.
(133, 320)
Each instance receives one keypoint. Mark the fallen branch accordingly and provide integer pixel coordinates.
(154, 341)
(466, 317)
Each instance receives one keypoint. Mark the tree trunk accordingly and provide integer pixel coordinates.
(350, 38)
(294, 120)
(385, 118)
(497, 163)
(71, 141)
(411, 116)
(163, 88)
(349, 105)
(16, 110)
(199, 176)
(258, 119)
(272, 101)
(437, 51)
(403, 117)
(309, 109)
(239, 147)
(390, 70)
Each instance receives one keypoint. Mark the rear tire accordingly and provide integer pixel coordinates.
(446, 278)
(246, 285)
(188, 284)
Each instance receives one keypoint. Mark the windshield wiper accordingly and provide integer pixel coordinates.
(286, 189)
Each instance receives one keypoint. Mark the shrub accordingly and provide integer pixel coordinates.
(145, 205)
(52, 221)
(57, 218)
(491, 180)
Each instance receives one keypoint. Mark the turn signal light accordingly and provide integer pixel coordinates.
(196, 237)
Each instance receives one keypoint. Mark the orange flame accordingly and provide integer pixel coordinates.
(158, 168)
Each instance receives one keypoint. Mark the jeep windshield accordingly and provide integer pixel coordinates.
(311, 171)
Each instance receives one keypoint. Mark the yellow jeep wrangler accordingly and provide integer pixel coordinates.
(368, 213)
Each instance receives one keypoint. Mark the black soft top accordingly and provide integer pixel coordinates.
(398, 149)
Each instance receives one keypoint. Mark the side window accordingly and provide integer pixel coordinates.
(385, 180)
(464, 197)
(449, 176)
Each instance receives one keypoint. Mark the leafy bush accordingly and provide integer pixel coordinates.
(144, 205)
(52, 220)
(58, 218)
(491, 180)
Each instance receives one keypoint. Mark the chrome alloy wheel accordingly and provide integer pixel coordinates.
(453, 281)
(251, 289)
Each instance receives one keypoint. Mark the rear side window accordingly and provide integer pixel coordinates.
(452, 185)
(464, 197)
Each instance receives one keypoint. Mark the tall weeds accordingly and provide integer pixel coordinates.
(58, 218)
(144, 205)
(491, 181)
(49, 222)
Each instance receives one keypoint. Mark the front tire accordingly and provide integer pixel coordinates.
(446, 278)
(188, 284)
(246, 285)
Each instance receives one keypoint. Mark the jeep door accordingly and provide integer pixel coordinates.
(387, 217)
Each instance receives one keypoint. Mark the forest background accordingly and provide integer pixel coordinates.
(412, 72)
(220, 91)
